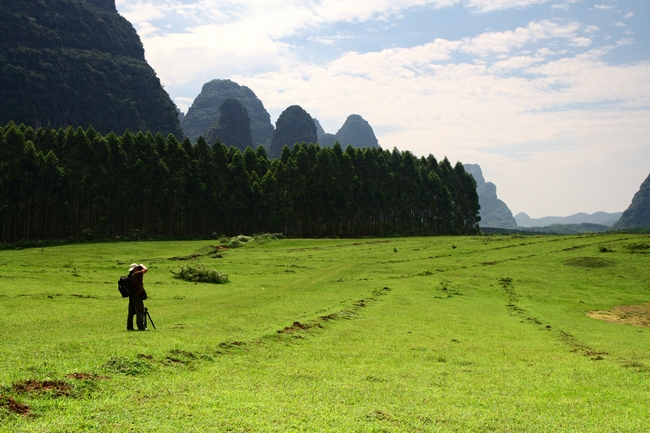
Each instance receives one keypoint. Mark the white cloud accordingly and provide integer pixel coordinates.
(494, 5)
(492, 42)
(517, 62)
(628, 15)
(518, 101)
(603, 7)
(577, 114)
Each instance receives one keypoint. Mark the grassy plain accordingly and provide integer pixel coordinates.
(431, 334)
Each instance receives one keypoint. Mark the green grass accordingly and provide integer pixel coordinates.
(439, 334)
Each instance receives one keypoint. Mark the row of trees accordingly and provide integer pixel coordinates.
(56, 184)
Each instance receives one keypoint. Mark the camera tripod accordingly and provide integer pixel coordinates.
(146, 314)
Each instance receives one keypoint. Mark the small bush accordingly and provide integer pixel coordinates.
(268, 236)
(234, 243)
(198, 274)
(636, 247)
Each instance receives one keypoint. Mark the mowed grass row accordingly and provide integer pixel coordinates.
(449, 334)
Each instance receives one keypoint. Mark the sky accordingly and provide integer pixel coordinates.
(550, 97)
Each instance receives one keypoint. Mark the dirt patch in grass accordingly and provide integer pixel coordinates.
(297, 326)
(12, 405)
(636, 315)
(86, 376)
(56, 387)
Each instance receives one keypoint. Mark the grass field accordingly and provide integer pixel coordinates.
(430, 334)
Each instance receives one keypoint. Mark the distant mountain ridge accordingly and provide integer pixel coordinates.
(601, 218)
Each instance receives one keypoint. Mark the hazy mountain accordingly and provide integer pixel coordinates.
(600, 218)
(205, 111)
(494, 212)
(293, 126)
(327, 140)
(357, 132)
(638, 214)
(77, 63)
(233, 127)
(319, 129)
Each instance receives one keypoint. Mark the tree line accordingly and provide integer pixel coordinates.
(67, 183)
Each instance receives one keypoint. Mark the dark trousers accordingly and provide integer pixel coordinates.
(136, 308)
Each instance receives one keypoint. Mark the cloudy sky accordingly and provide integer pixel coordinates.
(550, 97)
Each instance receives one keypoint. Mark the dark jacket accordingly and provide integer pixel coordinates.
(136, 279)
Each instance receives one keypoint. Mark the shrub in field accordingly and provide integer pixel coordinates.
(198, 274)
(268, 236)
(637, 246)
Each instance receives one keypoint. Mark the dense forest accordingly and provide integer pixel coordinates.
(67, 183)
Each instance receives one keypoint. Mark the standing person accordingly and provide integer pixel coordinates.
(137, 297)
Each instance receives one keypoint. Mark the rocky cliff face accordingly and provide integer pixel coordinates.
(76, 63)
(494, 212)
(638, 214)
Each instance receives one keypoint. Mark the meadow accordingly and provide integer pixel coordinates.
(421, 334)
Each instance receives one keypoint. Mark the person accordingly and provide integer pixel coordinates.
(137, 297)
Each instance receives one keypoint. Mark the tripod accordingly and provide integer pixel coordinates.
(146, 314)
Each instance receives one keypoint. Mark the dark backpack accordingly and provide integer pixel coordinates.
(125, 286)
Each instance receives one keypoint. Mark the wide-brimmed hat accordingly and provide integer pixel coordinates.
(133, 266)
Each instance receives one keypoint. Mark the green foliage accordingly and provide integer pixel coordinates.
(293, 126)
(81, 185)
(81, 63)
(198, 274)
(204, 111)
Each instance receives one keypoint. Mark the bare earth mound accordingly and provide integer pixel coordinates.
(637, 315)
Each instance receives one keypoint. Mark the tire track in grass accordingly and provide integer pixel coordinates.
(318, 276)
(574, 344)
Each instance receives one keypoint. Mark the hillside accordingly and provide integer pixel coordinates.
(494, 212)
(204, 111)
(638, 214)
(80, 63)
